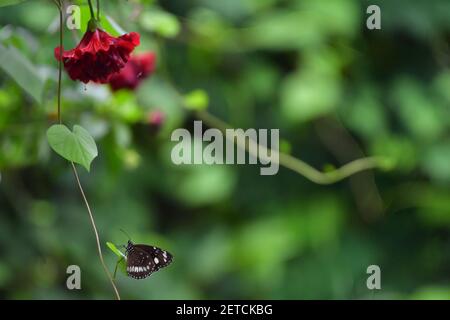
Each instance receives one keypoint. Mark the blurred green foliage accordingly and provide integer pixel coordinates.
(336, 90)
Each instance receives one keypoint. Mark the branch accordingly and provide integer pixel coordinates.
(295, 164)
(97, 238)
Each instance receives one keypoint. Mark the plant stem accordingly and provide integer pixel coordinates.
(94, 227)
(293, 163)
(61, 49)
(57, 3)
(97, 238)
(91, 9)
(98, 10)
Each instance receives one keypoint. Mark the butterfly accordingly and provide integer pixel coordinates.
(143, 260)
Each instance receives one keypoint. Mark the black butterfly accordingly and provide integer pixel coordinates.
(143, 260)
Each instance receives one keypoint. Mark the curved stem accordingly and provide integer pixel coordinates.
(98, 10)
(91, 9)
(94, 227)
(331, 177)
(57, 3)
(61, 49)
(293, 163)
(97, 238)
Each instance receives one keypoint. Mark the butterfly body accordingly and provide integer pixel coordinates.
(143, 260)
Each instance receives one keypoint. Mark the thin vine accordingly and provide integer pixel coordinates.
(91, 9)
(295, 164)
(98, 10)
(75, 172)
(97, 238)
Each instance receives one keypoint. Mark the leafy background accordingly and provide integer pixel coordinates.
(336, 90)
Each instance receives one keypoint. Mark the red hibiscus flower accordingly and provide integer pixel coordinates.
(98, 55)
(137, 69)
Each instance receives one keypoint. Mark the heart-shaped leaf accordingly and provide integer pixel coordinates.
(77, 146)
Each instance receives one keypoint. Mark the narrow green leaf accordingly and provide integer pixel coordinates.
(19, 68)
(114, 249)
(121, 264)
(77, 146)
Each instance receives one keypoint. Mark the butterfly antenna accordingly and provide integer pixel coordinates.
(125, 233)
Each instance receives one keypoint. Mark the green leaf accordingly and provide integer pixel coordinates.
(435, 161)
(112, 26)
(19, 68)
(305, 96)
(114, 249)
(161, 22)
(106, 22)
(196, 100)
(77, 146)
(4, 3)
(121, 263)
(417, 110)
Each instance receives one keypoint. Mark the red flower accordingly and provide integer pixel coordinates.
(98, 55)
(137, 69)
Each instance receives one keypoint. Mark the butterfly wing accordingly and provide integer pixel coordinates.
(139, 263)
(143, 260)
(160, 258)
